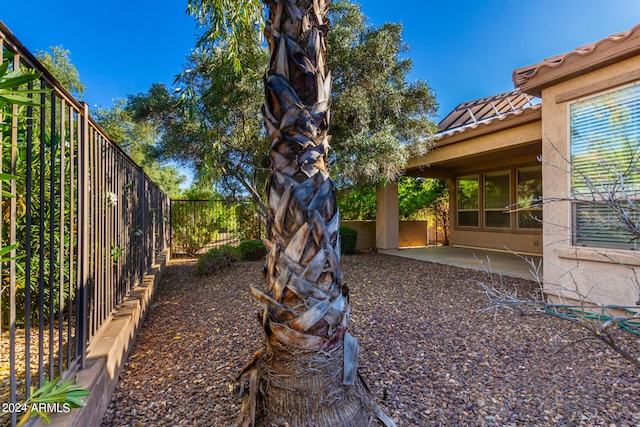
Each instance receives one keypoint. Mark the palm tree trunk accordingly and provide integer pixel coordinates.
(306, 375)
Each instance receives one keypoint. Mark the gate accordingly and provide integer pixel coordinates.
(199, 225)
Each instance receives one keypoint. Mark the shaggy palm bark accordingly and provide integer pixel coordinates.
(306, 375)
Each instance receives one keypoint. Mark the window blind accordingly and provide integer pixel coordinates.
(599, 225)
(497, 201)
(605, 162)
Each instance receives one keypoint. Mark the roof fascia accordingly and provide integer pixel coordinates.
(534, 78)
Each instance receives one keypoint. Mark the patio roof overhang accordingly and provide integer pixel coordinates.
(505, 138)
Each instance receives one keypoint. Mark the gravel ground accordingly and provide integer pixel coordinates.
(430, 355)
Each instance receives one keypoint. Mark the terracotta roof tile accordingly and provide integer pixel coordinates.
(470, 114)
(533, 78)
(487, 122)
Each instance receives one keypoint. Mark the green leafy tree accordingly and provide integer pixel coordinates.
(228, 25)
(415, 199)
(58, 62)
(357, 203)
(138, 139)
(212, 124)
(378, 117)
(416, 195)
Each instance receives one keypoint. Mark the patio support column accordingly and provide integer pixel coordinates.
(387, 223)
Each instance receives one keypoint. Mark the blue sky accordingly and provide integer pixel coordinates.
(463, 49)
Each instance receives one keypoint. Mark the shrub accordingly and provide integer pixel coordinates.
(252, 250)
(217, 259)
(233, 250)
(194, 225)
(348, 240)
(248, 222)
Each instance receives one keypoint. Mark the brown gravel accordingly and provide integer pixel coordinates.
(431, 357)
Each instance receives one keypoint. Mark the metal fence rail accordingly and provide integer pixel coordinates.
(87, 224)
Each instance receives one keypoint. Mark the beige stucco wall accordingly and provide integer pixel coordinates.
(603, 278)
(503, 241)
(507, 144)
(419, 233)
(487, 146)
(366, 233)
(525, 241)
(411, 233)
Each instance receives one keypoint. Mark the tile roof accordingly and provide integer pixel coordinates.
(533, 78)
(485, 110)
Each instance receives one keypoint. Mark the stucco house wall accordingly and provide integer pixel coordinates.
(366, 233)
(605, 276)
(602, 274)
(411, 233)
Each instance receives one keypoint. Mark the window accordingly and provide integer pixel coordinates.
(497, 199)
(467, 188)
(605, 155)
(529, 197)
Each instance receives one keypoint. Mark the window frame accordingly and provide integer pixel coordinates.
(506, 210)
(579, 199)
(477, 209)
(535, 206)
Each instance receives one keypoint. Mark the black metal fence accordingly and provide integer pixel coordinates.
(198, 225)
(81, 224)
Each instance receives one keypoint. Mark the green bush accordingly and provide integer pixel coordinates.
(348, 240)
(252, 250)
(233, 250)
(195, 224)
(217, 259)
(248, 221)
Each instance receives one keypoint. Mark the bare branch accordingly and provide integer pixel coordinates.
(601, 327)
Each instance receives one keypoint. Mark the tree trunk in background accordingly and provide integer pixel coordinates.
(306, 374)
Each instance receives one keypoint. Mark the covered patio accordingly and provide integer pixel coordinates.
(487, 151)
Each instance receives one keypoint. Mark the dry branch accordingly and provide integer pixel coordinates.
(602, 327)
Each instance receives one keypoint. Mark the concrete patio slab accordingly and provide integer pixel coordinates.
(502, 263)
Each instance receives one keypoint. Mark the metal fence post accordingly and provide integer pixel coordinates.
(82, 308)
(66, 222)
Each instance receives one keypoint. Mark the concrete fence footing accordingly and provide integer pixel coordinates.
(108, 352)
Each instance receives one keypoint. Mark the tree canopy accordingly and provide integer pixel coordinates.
(415, 195)
(228, 26)
(138, 140)
(58, 62)
(379, 118)
(213, 121)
